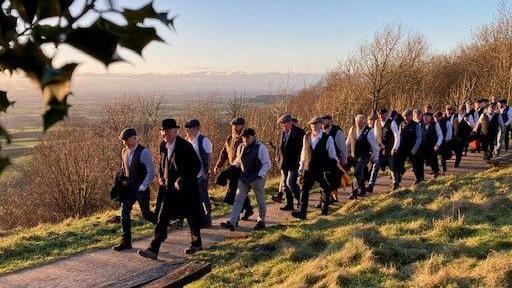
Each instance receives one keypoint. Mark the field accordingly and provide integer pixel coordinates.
(452, 232)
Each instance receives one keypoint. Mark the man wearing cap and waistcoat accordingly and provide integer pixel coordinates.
(363, 146)
(253, 159)
(445, 124)
(337, 134)
(289, 146)
(410, 143)
(431, 142)
(203, 147)
(389, 143)
(506, 115)
(138, 167)
(490, 125)
(317, 159)
(228, 155)
(462, 126)
(180, 165)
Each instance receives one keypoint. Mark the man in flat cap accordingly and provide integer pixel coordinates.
(317, 159)
(179, 167)
(338, 135)
(138, 167)
(506, 115)
(203, 147)
(228, 156)
(253, 159)
(289, 146)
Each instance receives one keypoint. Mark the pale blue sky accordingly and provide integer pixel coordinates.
(304, 36)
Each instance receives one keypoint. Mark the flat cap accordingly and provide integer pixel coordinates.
(327, 117)
(438, 114)
(248, 132)
(127, 133)
(238, 121)
(428, 114)
(503, 101)
(316, 120)
(285, 118)
(192, 123)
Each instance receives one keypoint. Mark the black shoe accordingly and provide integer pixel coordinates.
(369, 189)
(396, 186)
(260, 225)
(146, 253)
(319, 205)
(227, 225)
(277, 198)
(325, 211)
(193, 249)
(122, 246)
(287, 208)
(299, 215)
(247, 214)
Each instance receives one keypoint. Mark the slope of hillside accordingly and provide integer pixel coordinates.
(452, 232)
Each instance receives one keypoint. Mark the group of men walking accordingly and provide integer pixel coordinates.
(323, 154)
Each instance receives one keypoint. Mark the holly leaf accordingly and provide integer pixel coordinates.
(4, 162)
(138, 38)
(46, 33)
(4, 102)
(7, 27)
(57, 112)
(138, 16)
(52, 8)
(96, 41)
(28, 57)
(5, 135)
(26, 8)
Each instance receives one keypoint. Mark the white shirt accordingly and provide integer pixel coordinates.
(439, 133)
(470, 121)
(170, 148)
(396, 133)
(263, 156)
(339, 141)
(208, 148)
(331, 150)
(371, 139)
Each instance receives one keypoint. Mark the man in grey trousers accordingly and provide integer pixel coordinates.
(254, 161)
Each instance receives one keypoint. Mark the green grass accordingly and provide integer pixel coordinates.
(25, 248)
(455, 231)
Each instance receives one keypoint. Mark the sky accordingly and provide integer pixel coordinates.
(287, 35)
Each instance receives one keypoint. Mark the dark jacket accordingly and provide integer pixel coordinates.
(182, 167)
(288, 154)
(118, 192)
(231, 174)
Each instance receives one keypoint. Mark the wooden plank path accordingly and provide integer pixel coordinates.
(107, 268)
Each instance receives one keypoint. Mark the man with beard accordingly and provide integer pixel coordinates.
(181, 200)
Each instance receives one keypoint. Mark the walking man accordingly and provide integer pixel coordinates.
(410, 142)
(506, 115)
(317, 159)
(337, 134)
(254, 161)
(181, 200)
(462, 126)
(228, 155)
(432, 139)
(288, 158)
(490, 124)
(363, 146)
(445, 124)
(138, 168)
(389, 143)
(203, 147)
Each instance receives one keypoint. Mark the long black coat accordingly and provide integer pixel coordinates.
(183, 167)
(288, 156)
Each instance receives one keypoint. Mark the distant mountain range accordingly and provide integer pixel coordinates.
(179, 85)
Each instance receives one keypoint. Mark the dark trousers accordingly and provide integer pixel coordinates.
(430, 156)
(230, 195)
(445, 151)
(289, 184)
(206, 205)
(488, 142)
(416, 161)
(458, 148)
(159, 199)
(384, 160)
(193, 216)
(126, 209)
(361, 172)
(307, 182)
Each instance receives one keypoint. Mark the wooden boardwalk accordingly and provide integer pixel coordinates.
(106, 268)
